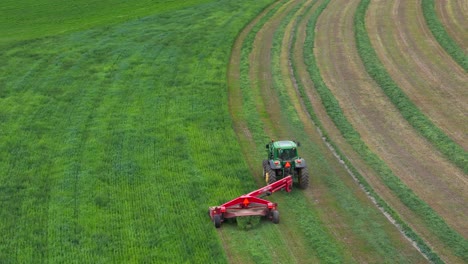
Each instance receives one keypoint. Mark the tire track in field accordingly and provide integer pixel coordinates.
(452, 14)
(375, 118)
(424, 71)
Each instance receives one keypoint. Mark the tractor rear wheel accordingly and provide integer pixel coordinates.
(217, 221)
(270, 175)
(303, 175)
(275, 216)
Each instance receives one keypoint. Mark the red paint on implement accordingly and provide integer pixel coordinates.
(250, 204)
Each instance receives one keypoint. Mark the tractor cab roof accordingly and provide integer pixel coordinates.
(285, 144)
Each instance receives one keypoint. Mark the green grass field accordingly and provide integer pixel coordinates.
(113, 138)
(23, 20)
(118, 129)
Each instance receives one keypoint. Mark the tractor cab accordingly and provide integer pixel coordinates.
(283, 150)
(283, 160)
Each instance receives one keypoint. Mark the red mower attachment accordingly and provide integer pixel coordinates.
(250, 205)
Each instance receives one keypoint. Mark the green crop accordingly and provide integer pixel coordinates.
(115, 140)
(27, 19)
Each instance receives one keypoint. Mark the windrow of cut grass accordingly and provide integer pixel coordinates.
(114, 141)
(454, 152)
(336, 114)
(444, 39)
(434, 222)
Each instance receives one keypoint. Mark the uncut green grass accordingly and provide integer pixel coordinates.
(115, 140)
(26, 19)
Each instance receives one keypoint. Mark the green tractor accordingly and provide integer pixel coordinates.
(283, 160)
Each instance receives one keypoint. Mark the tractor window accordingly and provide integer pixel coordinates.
(287, 154)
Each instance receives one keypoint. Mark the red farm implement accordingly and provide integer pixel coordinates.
(251, 205)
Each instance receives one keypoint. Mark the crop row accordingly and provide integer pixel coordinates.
(442, 36)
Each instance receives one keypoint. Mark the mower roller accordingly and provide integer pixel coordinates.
(251, 205)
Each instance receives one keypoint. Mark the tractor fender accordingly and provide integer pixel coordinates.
(273, 166)
(300, 165)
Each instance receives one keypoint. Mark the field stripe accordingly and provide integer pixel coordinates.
(348, 128)
(350, 205)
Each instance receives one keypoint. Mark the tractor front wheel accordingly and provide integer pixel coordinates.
(217, 221)
(303, 178)
(275, 216)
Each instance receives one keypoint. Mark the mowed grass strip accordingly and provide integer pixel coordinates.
(114, 141)
(442, 36)
(336, 114)
(451, 150)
